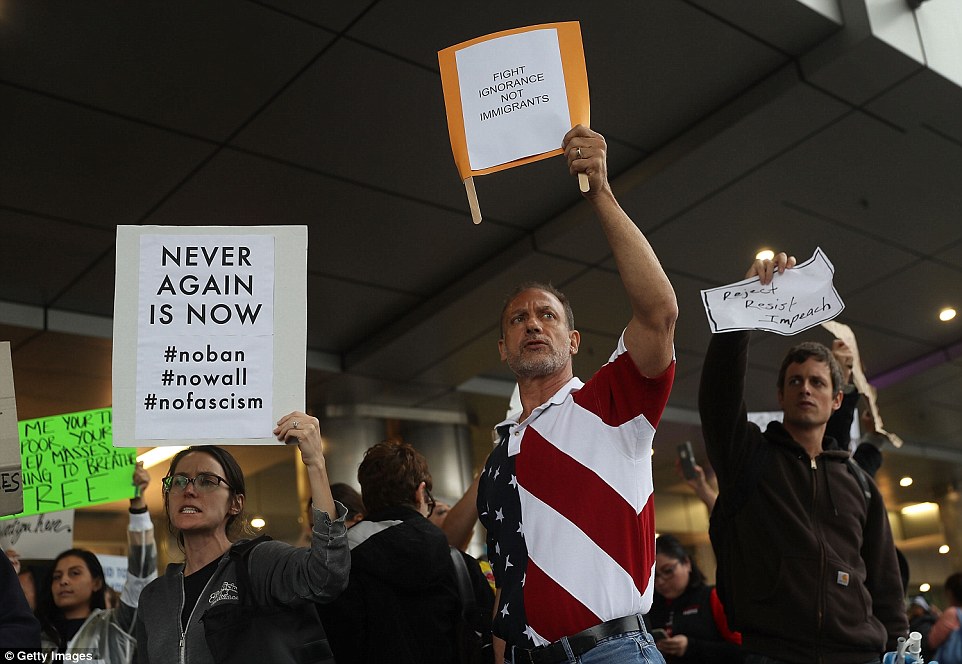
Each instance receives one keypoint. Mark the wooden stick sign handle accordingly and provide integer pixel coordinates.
(583, 183)
(473, 200)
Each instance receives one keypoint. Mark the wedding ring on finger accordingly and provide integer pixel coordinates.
(578, 152)
(294, 424)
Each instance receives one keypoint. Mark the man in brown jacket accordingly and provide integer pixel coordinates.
(807, 561)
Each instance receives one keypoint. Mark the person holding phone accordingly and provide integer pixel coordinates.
(687, 619)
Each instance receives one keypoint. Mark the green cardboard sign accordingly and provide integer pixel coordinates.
(69, 461)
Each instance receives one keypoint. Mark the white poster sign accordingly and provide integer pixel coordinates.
(11, 486)
(38, 537)
(794, 301)
(115, 570)
(513, 97)
(210, 333)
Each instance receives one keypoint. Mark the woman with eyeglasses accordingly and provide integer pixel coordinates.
(249, 600)
(71, 605)
(687, 619)
(402, 602)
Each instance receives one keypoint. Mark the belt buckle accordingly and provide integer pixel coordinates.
(526, 658)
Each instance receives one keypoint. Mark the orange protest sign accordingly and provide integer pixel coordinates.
(510, 97)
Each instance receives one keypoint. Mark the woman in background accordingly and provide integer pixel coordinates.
(688, 611)
(71, 605)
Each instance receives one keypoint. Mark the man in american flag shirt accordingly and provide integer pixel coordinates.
(566, 496)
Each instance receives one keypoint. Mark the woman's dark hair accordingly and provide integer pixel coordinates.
(668, 545)
(232, 473)
(953, 586)
(347, 496)
(48, 613)
(390, 474)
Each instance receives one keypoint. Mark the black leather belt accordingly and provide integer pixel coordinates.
(579, 643)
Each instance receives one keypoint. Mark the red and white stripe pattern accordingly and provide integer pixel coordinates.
(584, 479)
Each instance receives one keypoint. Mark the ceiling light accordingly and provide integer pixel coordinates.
(944, 549)
(158, 455)
(905, 481)
(919, 508)
(924, 588)
(258, 522)
(947, 314)
(765, 255)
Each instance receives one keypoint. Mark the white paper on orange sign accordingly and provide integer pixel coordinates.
(510, 97)
(513, 97)
(845, 333)
(794, 301)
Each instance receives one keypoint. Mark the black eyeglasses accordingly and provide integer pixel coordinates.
(203, 482)
(667, 571)
(431, 501)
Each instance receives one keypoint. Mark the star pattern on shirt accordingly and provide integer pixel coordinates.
(500, 496)
(530, 633)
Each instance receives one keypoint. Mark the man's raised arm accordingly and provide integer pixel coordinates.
(650, 333)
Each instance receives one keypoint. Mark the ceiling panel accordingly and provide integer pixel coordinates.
(907, 304)
(788, 25)
(343, 315)
(197, 67)
(923, 101)
(76, 246)
(334, 16)
(319, 122)
(67, 161)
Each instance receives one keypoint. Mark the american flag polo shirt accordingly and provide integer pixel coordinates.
(566, 497)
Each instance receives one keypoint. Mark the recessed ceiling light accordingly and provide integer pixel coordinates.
(765, 255)
(944, 549)
(905, 481)
(919, 508)
(947, 314)
(924, 588)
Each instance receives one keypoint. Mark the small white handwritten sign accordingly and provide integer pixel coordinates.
(794, 301)
(40, 536)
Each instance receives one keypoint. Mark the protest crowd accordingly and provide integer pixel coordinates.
(802, 566)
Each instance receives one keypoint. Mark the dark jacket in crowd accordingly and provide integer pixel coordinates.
(18, 626)
(401, 602)
(699, 615)
(812, 570)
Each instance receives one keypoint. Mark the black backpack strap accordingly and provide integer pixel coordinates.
(463, 578)
(861, 478)
(240, 553)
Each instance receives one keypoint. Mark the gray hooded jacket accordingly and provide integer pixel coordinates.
(285, 582)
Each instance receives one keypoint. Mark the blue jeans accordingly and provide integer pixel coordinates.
(628, 648)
